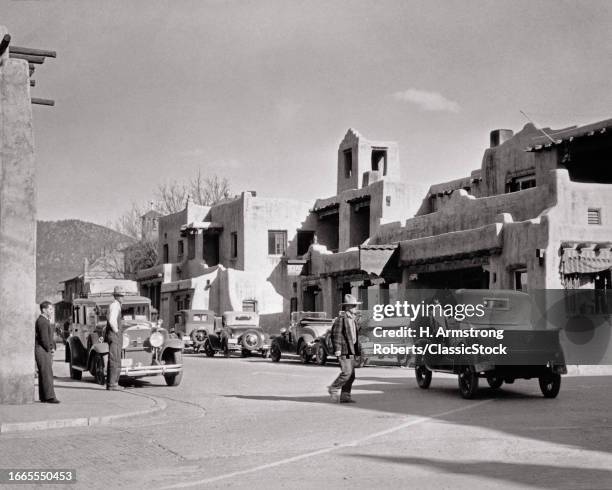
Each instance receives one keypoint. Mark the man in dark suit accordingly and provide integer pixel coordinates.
(43, 352)
(346, 348)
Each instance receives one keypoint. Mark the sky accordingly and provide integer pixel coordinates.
(262, 92)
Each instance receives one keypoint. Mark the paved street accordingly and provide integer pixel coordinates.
(238, 423)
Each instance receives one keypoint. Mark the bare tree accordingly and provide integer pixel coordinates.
(204, 191)
(171, 198)
(130, 222)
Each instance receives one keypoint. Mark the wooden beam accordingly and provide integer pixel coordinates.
(4, 43)
(34, 52)
(36, 100)
(39, 60)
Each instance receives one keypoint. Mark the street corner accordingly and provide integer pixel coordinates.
(82, 405)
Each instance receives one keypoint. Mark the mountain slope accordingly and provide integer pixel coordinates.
(62, 246)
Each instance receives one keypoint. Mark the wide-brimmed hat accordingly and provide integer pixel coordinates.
(349, 299)
(118, 291)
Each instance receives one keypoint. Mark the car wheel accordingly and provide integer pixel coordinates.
(423, 376)
(495, 382)
(208, 349)
(304, 355)
(275, 352)
(97, 369)
(74, 373)
(226, 351)
(321, 355)
(550, 384)
(468, 382)
(175, 357)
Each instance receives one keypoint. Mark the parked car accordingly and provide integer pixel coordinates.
(532, 352)
(300, 338)
(194, 327)
(239, 331)
(148, 349)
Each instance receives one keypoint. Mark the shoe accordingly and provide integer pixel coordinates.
(333, 392)
(346, 399)
(52, 400)
(115, 388)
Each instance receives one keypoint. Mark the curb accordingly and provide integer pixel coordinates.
(81, 421)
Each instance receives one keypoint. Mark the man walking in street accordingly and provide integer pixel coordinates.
(43, 353)
(114, 338)
(346, 348)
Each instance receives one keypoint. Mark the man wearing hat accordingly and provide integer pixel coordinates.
(114, 338)
(346, 348)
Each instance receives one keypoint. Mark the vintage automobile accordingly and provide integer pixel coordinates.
(533, 351)
(301, 336)
(324, 350)
(194, 327)
(239, 331)
(148, 349)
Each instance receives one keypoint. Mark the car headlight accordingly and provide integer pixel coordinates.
(156, 339)
(126, 341)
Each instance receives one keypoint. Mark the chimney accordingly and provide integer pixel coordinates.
(500, 136)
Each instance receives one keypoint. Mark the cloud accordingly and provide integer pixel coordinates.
(427, 101)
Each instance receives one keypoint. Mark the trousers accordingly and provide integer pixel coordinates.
(347, 375)
(44, 363)
(113, 370)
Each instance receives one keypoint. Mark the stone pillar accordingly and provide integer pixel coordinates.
(17, 233)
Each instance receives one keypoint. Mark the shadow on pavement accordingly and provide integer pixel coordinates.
(518, 409)
(546, 476)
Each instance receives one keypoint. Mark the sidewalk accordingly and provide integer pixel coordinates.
(83, 403)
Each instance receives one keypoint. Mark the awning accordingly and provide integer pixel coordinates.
(585, 261)
(374, 258)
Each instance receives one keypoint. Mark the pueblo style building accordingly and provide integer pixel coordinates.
(537, 214)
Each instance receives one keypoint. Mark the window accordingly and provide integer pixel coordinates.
(520, 279)
(181, 250)
(379, 160)
(166, 253)
(191, 247)
(348, 163)
(521, 183)
(594, 216)
(304, 240)
(234, 244)
(277, 242)
(249, 305)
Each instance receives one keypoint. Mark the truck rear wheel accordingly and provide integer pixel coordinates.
(550, 384)
(468, 382)
(423, 376)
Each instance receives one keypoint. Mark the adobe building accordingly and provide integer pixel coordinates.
(535, 215)
(370, 194)
(230, 256)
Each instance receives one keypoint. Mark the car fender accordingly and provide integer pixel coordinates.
(170, 348)
(78, 354)
(307, 339)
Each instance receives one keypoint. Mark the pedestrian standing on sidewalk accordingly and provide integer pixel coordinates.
(346, 349)
(44, 349)
(113, 336)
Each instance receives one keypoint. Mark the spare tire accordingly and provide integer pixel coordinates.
(252, 340)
